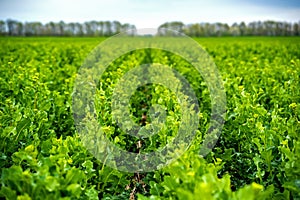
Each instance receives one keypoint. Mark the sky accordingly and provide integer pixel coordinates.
(150, 13)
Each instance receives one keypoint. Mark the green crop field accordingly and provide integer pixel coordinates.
(256, 156)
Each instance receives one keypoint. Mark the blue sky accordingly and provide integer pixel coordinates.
(150, 13)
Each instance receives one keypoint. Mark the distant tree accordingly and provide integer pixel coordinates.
(194, 30)
(220, 29)
(2, 28)
(19, 29)
(107, 28)
(133, 30)
(71, 30)
(12, 26)
(100, 28)
(296, 29)
(269, 28)
(79, 29)
(217, 31)
(235, 30)
(125, 27)
(256, 28)
(209, 29)
(94, 28)
(28, 29)
(61, 26)
(243, 28)
(175, 26)
(116, 27)
(34, 28)
(88, 29)
(129, 29)
(52, 30)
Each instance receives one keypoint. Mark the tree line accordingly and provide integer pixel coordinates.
(258, 28)
(107, 28)
(91, 28)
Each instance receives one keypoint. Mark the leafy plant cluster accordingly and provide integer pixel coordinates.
(256, 156)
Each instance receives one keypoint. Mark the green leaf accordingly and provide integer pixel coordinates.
(51, 183)
(23, 124)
